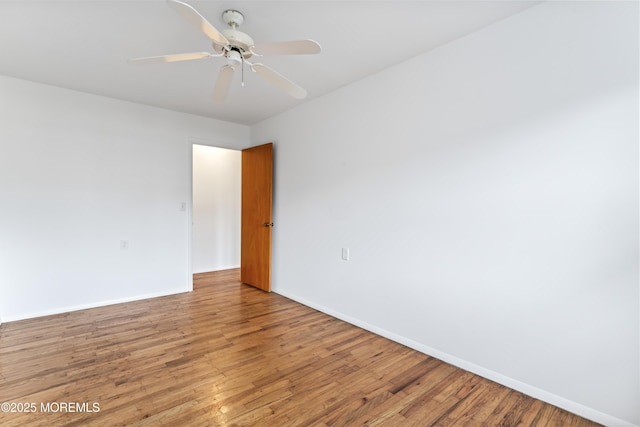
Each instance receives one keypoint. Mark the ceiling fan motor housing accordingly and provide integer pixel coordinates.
(237, 39)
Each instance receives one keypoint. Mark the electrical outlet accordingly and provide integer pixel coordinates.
(345, 254)
(124, 244)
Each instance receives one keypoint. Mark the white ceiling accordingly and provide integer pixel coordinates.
(84, 45)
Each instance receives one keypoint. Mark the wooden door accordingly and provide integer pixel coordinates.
(255, 258)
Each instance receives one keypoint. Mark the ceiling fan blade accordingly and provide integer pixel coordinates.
(225, 76)
(278, 80)
(199, 22)
(296, 47)
(171, 58)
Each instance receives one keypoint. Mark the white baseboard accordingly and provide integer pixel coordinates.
(60, 310)
(543, 395)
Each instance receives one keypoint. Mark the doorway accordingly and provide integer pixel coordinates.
(216, 209)
(227, 219)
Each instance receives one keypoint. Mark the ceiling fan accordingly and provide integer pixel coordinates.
(236, 47)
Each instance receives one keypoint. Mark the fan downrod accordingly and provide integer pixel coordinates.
(233, 18)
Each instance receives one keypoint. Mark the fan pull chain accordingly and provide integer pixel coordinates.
(242, 70)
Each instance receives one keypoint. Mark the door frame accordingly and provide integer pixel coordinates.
(189, 153)
(191, 141)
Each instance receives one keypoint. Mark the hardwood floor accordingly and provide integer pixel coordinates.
(230, 355)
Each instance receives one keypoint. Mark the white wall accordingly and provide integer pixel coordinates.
(78, 175)
(216, 209)
(488, 192)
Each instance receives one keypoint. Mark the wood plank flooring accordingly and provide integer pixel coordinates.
(230, 355)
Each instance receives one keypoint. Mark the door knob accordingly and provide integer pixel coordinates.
(267, 224)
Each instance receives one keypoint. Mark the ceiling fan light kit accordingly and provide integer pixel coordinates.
(236, 47)
(234, 58)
